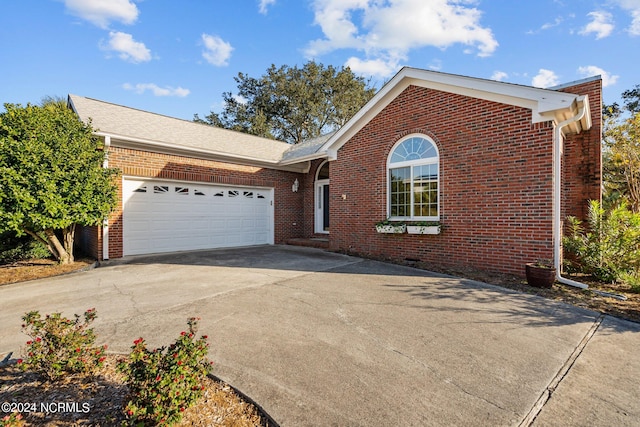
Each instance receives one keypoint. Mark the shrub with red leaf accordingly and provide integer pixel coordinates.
(164, 381)
(59, 346)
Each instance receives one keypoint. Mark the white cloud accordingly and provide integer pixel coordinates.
(548, 25)
(372, 67)
(634, 28)
(633, 7)
(601, 24)
(436, 65)
(608, 79)
(101, 12)
(141, 88)
(499, 76)
(217, 51)
(128, 49)
(387, 31)
(264, 4)
(545, 78)
(555, 23)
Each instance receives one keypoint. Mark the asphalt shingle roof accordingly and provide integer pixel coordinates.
(125, 122)
(306, 148)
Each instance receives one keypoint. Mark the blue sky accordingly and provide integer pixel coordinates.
(178, 57)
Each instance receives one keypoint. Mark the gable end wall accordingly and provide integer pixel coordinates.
(495, 181)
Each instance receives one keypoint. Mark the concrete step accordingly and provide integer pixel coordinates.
(312, 242)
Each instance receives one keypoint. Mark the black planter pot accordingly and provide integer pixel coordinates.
(540, 277)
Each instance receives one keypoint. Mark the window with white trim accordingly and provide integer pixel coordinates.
(413, 180)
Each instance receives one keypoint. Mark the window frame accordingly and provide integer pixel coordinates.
(412, 164)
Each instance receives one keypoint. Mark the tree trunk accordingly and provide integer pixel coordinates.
(60, 253)
(63, 253)
(69, 237)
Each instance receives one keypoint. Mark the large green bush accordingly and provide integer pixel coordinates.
(609, 246)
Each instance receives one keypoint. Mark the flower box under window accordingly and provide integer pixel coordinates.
(423, 229)
(391, 228)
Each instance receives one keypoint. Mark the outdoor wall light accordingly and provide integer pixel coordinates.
(295, 186)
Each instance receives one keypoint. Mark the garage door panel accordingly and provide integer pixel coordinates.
(172, 216)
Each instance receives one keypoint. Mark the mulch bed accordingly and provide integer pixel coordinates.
(98, 401)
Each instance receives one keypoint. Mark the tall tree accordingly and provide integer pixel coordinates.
(51, 175)
(621, 154)
(621, 166)
(292, 104)
(631, 99)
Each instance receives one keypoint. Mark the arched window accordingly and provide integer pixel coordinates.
(413, 179)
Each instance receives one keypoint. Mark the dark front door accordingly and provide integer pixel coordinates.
(325, 207)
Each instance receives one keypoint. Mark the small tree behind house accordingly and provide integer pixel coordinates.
(51, 175)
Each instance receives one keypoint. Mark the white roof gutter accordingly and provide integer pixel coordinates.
(557, 193)
(170, 148)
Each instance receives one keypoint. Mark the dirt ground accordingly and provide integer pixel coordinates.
(103, 396)
(22, 271)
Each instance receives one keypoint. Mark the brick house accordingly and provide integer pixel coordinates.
(497, 165)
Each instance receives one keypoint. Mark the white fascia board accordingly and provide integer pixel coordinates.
(544, 104)
(307, 158)
(166, 148)
(375, 105)
(544, 100)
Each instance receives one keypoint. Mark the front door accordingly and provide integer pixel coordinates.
(322, 199)
(322, 207)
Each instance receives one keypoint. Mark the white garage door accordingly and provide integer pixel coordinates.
(161, 216)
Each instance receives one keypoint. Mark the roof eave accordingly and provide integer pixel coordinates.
(307, 158)
(173, 149)
(544, 104)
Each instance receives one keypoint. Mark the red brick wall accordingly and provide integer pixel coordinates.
(495, 180)
(88, 241)
(582, 160)
(288, 208)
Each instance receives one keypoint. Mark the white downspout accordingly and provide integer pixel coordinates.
(105, 224)
(557, 196)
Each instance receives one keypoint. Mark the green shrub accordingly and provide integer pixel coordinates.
(609, 247)
(163, 384)
(14, 248)
(59, 345)
(631, 278)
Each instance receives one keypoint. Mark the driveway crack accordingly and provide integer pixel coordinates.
(561, 374)
(129, 296)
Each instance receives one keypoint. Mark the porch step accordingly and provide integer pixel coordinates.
(313, 242)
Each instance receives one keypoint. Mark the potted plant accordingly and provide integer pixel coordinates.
(425, 227)
(540, 274)
(387, 226)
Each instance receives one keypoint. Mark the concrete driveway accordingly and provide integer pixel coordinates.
(325, 339)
